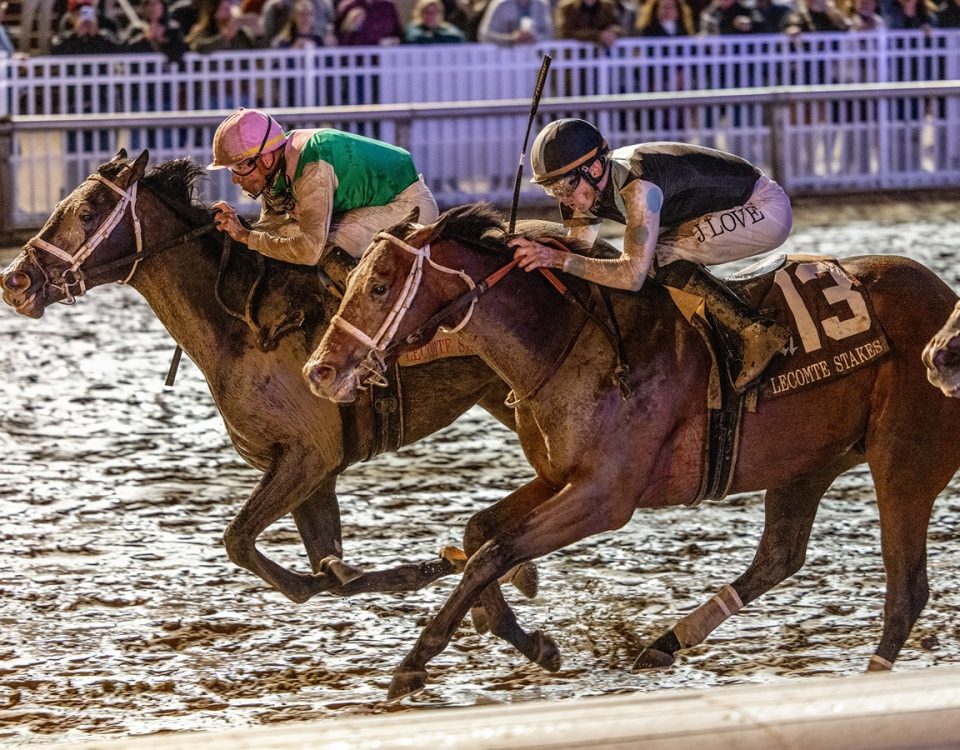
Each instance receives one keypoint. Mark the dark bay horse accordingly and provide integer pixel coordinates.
(941, 356)
(275, 422)
(599, 456)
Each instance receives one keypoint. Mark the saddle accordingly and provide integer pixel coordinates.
(833, 332)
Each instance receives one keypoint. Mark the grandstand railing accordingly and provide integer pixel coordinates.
(822, 113)
(325, 77)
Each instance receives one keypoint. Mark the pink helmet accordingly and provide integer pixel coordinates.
(245, 134)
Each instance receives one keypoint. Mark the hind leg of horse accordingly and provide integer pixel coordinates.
(913, 452)
(482, 526)
(789, 512)
(579, 510)
(907, 484)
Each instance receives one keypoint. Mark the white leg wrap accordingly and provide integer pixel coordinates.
(695, 627)
(878, 663)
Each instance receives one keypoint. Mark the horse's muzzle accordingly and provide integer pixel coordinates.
(20, 291)
(324, 381)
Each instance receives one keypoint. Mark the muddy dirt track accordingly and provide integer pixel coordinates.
(121, 615)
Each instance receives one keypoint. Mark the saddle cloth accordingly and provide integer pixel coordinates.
(439, 347)
(834, 330)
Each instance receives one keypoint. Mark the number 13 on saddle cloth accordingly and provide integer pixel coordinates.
(830, 317)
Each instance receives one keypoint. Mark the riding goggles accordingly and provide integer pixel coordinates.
(564, 186)
(245, 167)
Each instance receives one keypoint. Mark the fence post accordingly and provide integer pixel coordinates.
(6, 176)
(778, 115)
(403, 133)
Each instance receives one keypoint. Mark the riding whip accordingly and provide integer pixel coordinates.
(174, 366)
(537, 92)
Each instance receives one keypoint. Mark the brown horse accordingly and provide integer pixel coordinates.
(274, 421)
(599, 455)
(942, 356)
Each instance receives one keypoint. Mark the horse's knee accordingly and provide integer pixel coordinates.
(794, 559)
(475, 534)
(239, 545)
(488, 562)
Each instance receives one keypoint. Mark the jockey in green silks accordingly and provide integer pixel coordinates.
(318, 188)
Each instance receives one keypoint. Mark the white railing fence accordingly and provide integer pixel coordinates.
(825, 112)
(326, 77)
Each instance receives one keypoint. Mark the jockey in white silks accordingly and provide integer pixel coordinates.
(678, 202)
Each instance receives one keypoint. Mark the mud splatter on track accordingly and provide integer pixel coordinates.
(120, 614)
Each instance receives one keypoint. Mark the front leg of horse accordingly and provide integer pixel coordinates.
(537, 646)
(401, 578)
(286, 485)
(482, 569)
(579, 510)
(482, 526)
(318, 522)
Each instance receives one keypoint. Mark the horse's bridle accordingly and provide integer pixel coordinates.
(382, 344)
(74, 276)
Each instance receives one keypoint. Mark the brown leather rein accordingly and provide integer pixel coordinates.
(468, 299)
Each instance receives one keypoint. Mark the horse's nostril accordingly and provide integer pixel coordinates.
(946, 359)
(321, 375)
(16, 281)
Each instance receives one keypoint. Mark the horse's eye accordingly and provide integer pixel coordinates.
(87, 217)
(378, 290)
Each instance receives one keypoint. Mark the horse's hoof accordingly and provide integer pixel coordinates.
(481, 623)
(337, 569)
(405, 683)
(653, 658)
(456, 557)
(545, 651)
(526, 579)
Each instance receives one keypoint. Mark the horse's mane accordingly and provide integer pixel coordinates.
(175, 180)
(178, 179)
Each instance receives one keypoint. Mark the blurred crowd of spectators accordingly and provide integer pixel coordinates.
(174, 27)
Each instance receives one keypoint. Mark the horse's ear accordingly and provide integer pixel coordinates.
(121, 155)
(134, 171)
(428, 233)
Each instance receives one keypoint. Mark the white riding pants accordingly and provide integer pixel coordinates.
(354, 230)
(759, 225)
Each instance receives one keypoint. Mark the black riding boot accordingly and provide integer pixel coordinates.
(760, 338)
